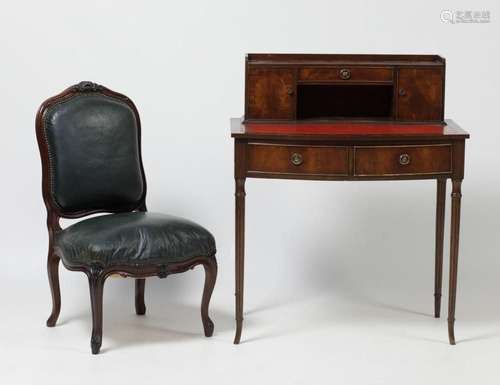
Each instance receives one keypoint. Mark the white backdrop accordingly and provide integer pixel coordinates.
(369, 244)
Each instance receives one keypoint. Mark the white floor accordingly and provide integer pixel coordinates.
(337, 337)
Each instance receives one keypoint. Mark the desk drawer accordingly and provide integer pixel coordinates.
(346, 74)
(291, 159)
(402, 160)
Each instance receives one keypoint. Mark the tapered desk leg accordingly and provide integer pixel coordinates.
(456, 196)
(438, 275)
(240, 254)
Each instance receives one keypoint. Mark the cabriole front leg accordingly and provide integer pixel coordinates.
(456, 196)
(53, 273)
(210, 267)
(96, 285)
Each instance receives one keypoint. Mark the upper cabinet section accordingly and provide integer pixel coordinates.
(270, 93)
(420, 93)
(353, 87)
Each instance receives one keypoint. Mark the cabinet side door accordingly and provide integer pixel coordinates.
(270, 93)
(420, 94)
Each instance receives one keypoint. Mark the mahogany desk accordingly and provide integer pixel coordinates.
(353, 151)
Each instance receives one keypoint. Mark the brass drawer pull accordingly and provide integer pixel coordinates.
(404, 159)
(296, 159)
(345, 74)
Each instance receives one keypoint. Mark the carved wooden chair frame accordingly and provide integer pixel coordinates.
(96, 272)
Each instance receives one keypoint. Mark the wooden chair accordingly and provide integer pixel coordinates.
(90, 145)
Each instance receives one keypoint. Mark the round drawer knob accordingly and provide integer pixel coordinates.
(289, 91)
(404, 159)
(345, 74)
(296, 159)
(402, 92)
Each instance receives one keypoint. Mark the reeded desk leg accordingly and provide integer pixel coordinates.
(240, 254)
(438, 275)
(456, 196)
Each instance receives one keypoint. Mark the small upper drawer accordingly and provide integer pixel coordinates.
(354, 74)
(402, 160)
(294, 159)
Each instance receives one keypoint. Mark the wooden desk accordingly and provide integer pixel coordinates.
(353, 151)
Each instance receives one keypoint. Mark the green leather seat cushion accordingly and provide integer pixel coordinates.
(133, 238)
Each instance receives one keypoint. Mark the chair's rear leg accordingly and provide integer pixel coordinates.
(96, 285)
(210, 277)
(53, 273)
(140, 306)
